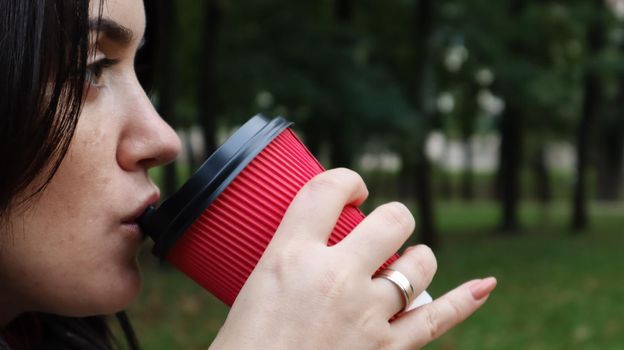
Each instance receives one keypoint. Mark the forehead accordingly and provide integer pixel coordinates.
(129, 14)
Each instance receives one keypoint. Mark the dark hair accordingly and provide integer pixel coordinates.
(44, 47)
(43, 57)
(52, 332)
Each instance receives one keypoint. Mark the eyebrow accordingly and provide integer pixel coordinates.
(112, 30)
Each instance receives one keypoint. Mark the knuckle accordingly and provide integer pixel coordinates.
(323, 182)
(379, 331)
(384, 342)
(424, 258)
(280, 262)
(339, 179)
(432, 323)
(347, 174)
(423, 268)
(456, 309)
(397, 214)
(334, 284)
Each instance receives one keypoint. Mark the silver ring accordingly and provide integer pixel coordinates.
(401, 282)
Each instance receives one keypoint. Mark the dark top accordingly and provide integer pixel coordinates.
(4, 345)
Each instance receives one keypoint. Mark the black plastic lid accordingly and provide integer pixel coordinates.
(166, 224)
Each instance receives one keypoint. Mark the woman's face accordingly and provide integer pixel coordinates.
(73, 251)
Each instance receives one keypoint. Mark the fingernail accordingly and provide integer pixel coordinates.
(417, 246)
(408, 249)
(482, 288)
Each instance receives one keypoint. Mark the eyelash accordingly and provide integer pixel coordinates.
(95, 70)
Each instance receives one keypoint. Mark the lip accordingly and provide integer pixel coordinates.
(136, 214)
(133, 230)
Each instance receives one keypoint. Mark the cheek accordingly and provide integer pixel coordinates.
(65, 256)
(76, 195)
(68, 271)
(87, 174)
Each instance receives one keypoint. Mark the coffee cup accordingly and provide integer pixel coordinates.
(217, 225)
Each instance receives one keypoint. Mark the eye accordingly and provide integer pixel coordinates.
(96, 69)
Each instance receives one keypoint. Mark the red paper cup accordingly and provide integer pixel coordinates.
(217, 226)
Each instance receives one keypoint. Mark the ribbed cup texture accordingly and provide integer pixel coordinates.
(222, 247)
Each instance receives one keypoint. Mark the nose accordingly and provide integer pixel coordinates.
(146, 140)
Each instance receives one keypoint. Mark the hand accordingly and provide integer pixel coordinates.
(306, 295)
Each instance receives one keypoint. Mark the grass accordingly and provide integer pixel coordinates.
(556, 290)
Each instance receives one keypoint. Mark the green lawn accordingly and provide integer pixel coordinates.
(556, 290)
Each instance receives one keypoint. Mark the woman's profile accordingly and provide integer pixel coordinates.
(78, 135)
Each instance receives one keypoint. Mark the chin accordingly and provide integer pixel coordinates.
(105, 297)
(122, 299)
(123, 293)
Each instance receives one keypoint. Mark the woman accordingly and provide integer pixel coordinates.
(78, 135)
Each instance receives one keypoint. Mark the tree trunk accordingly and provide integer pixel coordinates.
(509, 168)
(344, 11)
(146, 57)
(190, 151)
(609, 163)
(424, 19)
(406, 182)
(467, 186)
(444, 178)
(341, 153)
(314, 142)
(510, 154)
(591, 101)
(610, 155)
(541, 176)
(167, 81)
(610, 160)
(207, 102)
(590, 104)
(609, 170)
(424, 198)
(415, 182)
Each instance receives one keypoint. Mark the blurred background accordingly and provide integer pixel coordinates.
(500, 123)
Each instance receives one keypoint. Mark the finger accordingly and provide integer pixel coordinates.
(379, 235)
(419, 265)
(420, 326)
(315, 209)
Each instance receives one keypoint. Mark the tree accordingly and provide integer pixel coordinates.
(610, 149)
(511, 132)
(166, 81)
(592, 94)
(340, 152)
(207, 99)
(424, 14)
(610, 145)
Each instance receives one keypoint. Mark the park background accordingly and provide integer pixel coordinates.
(500, 123)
